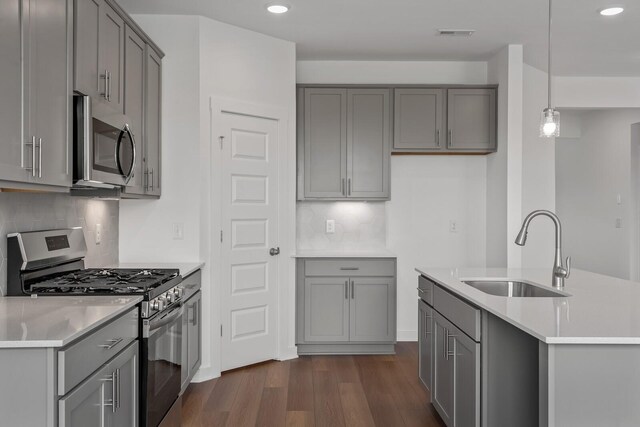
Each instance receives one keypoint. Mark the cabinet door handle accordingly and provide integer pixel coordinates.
(109, 86)
(114, 390)
(105, 94)
(426, 324)
(438, 138)
(450, 138)
(32, 169)
(446, 347)
(113, 343)
(342, 191)
(349, 187)
(151, 179)
(117, 405)
(353, 290)
(39, 157)
(346, 289)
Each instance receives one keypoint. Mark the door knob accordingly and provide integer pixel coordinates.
(274, 251)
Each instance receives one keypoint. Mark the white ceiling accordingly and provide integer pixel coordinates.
(585, 43)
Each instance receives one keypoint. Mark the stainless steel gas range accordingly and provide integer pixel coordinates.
(51, 263)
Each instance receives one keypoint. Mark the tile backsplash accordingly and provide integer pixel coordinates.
(31, 212)
(359, 225)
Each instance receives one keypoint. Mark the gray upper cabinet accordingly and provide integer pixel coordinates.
(153, 112)
(418, 119)
(326, 309)
(372, 310)
(368, 143)
(99, 54)
(325, 143)
(35, 112)
(344, 144)
(134, 73)
(471, 120)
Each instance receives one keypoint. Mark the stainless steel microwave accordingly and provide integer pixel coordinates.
(104, 154)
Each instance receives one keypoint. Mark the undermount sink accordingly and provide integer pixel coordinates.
(515, 289)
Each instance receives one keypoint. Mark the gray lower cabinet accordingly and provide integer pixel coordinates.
(344, 139)
(418, 119)
(425, 344)
(346, 306)
(109, 397)
(35, 109)
(191, 339)
(471, 120)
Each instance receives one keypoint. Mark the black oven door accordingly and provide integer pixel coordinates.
(161, 365)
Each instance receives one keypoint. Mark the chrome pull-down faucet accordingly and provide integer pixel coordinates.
(560, 272)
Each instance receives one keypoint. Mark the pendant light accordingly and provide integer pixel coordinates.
(550, 122)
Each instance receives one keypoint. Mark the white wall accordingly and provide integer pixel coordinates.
(426, 191)
(204, 59)
(591, 170)
(597, 92)
(397, 72)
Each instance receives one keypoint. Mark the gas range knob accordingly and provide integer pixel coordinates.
(171, 297)
(157, 304)
(179, 291)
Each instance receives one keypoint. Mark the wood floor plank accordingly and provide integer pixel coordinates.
(327, 405)
(355, 407)
(300, 419)
(273, 407)
(310, 391)
(278, 374)
(300, 393)
(246, 405)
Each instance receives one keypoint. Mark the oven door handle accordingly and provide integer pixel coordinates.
(165, 320)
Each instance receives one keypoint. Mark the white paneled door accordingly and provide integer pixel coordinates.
(249, 239)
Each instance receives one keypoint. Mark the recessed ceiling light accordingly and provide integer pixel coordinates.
(611, 11)
(277, 8)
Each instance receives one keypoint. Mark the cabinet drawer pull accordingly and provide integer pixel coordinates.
(113, 343)
(349, 268)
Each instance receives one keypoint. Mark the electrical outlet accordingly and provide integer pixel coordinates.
(331, 226)
(178, 231)
(98, 235)
(453, 226)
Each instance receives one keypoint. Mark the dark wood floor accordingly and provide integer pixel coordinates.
(318, 391)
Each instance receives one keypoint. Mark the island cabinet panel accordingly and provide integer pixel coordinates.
(418, 119)
(352, 313)
(443, 368)
(425, 344)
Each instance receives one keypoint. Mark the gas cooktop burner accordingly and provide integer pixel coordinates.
(104, 281)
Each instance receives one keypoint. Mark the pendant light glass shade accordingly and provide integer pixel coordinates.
(550, 123)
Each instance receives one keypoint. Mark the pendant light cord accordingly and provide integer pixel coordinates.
(549, 53)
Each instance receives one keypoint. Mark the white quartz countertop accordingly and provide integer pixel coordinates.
(358, 253)
(186, 268)
(53, 321)
(600, 310)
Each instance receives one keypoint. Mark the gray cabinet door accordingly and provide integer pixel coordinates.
(372, 310)
(471, 119)
(48, 94)
(425, 344)
(466, 359)
(194, 333)
(111, 49)
(442, 394)
(326, 309)
(127, 387)
(134, 76)
(15, 154)
(418, 119)
(88, 76)
(152, 133)
(368, 143)
(325, 143)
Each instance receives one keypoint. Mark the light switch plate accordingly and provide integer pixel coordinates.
(178, 231)
(331, 226)
(98, 233)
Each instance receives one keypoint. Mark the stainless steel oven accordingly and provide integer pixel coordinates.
(104, 147)
(161, 364)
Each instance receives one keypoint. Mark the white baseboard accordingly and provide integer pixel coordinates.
(205, 373)
(289, 353)
(408, 335)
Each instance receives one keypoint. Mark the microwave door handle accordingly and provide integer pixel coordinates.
(133, 150)
(116, 154)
